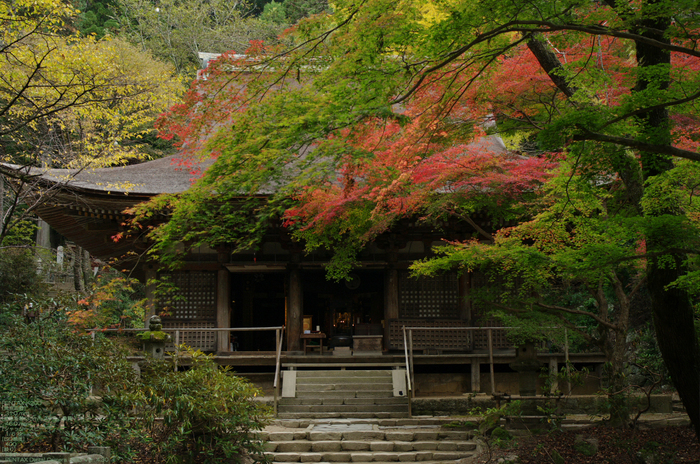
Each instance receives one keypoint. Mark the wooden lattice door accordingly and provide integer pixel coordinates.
(429, 297)
(192, 305)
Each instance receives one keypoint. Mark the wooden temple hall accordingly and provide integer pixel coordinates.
(357, 322)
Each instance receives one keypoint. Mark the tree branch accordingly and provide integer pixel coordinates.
(547, 26)
(486, 235)
(550, 63)
(660, 106)
(595, 317)
(586, 134)
(588, 337)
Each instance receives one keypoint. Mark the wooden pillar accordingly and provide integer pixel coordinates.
(43, 234)
(553, 370)
(391, 294)
(295, 311)
(465, 310)
(464, 306)
(223, 314)
(476, 375)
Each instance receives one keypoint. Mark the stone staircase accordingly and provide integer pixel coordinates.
(677, 404)
(358, 393)
(368, 440)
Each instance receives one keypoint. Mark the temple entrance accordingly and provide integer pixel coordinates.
(257, 300)
(354, 307)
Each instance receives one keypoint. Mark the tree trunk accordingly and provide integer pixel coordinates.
(672, 310)
(613, 374)
(87, 269)
(675, 333)
(78, 278)
(613, 343)
(2, 207)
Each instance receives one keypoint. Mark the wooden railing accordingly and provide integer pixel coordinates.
(408, 350)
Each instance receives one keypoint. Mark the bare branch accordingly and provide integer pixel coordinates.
(586, 134)
(485, 234)
(563, 309)
(660, 106)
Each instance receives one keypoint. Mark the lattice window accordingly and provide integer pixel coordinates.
(201, 340)
(450, 336)
(194, 299)
(499, 337)
(429, 297)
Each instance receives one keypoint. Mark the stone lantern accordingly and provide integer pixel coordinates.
(528, 368)
(154, 339)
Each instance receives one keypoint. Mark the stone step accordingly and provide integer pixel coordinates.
(343, 400)
(345, 373)
(342, 394)
(677, 406)
(386, 462)
(337, 415)
(355, 441)
(379, 386)
(344, 456)
(415, 422)
(311, 434)
(342, 408)
(304, 446)
(330, 379)
(345, 393)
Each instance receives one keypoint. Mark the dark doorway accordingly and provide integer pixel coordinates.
(257, 301)
(344, 307)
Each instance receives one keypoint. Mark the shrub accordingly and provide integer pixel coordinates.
(49, 375)
(61, 390)
(208, 413)
(18, 274)
(114, 300)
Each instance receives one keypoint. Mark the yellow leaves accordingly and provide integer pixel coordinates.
(81, 99)
(433, 12)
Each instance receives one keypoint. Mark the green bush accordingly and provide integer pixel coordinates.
(113, 300)
(499, 433)
(207, 413)
(18, 274)
(50, 378)
(62, 391)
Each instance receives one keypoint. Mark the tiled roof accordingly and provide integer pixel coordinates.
(150, 178)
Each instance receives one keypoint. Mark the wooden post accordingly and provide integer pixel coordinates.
(177, 348)
(464, 303)
(476, 375)
(553, 369)
(493, 376)
(410, 353)
(465, 312)
(277, 379)
(391, 295)
(566, 361)
(43, 234)
(223, 312)
(2, 202)
(295, 312)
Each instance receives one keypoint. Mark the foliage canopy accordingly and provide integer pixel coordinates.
(373, 114)
(69, 101)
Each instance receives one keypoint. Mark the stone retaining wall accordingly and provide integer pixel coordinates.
(59, 458)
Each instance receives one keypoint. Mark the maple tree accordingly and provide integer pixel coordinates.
(69, 101)
(371, 116)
